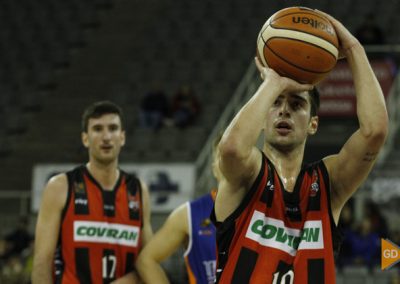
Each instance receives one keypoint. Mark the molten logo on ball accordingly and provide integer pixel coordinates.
(298, 43)
(314, 23)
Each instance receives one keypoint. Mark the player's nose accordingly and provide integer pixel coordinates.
(284, 108)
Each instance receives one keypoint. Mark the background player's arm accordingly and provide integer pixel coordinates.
(47, 228)
(350, 167)
(165, 242)
(240, 160)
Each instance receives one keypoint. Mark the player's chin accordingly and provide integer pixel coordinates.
(108, 155)
(284, 143)
(107, 160)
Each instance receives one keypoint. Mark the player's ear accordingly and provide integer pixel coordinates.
(313, 125)
(85, 139)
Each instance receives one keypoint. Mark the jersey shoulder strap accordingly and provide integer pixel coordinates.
(134, 191)
(78, 189)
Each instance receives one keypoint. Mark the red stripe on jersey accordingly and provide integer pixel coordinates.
(110, 241)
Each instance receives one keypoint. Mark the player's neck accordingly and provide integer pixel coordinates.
(287, 163)
(105, 174)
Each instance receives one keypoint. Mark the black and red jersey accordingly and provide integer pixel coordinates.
(100, 232)
(276, 236)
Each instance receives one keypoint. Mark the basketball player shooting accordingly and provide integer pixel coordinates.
(276, 219)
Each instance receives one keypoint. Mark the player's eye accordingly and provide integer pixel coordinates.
(97, 128)
(277, 102)
(114, 127)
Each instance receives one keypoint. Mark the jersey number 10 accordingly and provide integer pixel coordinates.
(286, 278)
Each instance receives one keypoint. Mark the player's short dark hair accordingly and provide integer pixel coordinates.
(314, 99)
(99, 109)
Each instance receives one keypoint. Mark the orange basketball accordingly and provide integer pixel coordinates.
(299, 43)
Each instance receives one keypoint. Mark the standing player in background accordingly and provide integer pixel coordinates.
(275, 218)
(189, 225)
(94, 219)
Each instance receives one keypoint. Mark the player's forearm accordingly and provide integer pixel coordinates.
(151, 272)
(244, 130)
(371, 108)
(41, 274)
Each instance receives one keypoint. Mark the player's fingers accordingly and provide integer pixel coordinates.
(332, 19)
(301, 87)
(305, 87)
(335, 23)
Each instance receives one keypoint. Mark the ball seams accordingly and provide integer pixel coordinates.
(294, 65)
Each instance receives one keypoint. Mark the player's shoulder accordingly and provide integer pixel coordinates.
(180, 214)
(131, 178)
(56, 190)
(311, 166)
(144, 189)
(181, 211)
(329, 163)
(143, 184)
(59, 181)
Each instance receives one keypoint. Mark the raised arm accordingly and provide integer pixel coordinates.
(351, 166)
(239, 159)
(47, 229)
(165, 242)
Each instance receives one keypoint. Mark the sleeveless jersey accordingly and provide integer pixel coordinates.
(200, 256)
(280, 237)
(100, 230)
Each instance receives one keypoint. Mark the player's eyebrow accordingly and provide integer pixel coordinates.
(296, 96)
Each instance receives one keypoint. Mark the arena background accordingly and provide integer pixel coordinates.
(58, 56)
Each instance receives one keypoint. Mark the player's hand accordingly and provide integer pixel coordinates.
(284, 83)
(346, 40)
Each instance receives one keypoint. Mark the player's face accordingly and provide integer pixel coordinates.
(289, 123)
(104, 138)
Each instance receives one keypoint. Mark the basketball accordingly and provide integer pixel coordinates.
(298, 43)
